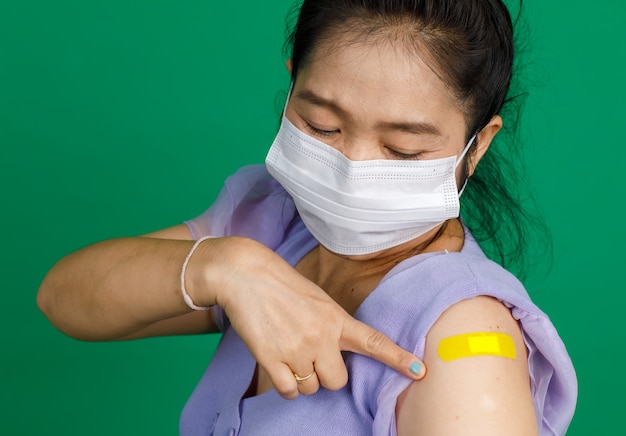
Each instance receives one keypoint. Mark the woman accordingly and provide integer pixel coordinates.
(349, 240)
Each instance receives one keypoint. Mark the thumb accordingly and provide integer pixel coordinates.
(363, 339)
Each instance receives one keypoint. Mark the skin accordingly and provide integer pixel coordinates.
(350, 97)
(130, 288)
(494, 400)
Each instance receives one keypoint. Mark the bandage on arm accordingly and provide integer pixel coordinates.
(476, 344)
(477, 381)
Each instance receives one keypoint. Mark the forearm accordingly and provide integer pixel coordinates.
(131, 288)
(115, 288)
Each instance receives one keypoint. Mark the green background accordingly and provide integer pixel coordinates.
(118, 118)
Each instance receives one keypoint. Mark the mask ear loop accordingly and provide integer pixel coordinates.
(287, 99)
(460, 159)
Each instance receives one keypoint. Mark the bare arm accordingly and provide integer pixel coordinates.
(480, 395)
(130, 288)
(122, 289)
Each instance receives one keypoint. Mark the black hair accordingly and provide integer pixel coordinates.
(470, 45)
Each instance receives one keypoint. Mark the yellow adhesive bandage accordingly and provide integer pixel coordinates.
(477, 344)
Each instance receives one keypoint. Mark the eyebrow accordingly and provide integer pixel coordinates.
(415, 128)
(311, 97)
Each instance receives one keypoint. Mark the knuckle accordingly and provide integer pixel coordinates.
(290, 351)
(375, 342)
(334, 376)
(287, 392)
(337, 382)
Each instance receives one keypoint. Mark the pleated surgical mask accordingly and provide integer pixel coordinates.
(361, 207)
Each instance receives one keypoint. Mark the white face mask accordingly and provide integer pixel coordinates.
(361, 207)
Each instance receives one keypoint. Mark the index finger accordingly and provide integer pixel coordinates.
(363, 339)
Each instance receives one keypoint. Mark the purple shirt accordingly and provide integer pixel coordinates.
(404, 305)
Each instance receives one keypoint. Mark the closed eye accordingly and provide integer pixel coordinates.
(401, 155)
(320, 132)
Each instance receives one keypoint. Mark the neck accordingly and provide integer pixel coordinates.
(350, 279)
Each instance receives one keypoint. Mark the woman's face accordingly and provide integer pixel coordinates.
(376, 101)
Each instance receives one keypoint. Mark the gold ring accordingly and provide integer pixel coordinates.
(301, 379)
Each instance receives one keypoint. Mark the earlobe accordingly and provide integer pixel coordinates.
(485, 137)
(289, 65)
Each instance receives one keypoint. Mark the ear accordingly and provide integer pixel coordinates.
(289, 65)
(485, 136)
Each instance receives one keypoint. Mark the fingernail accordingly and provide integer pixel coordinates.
(415, 368)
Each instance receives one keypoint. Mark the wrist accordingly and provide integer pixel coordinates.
(191, 277)
(229, 262)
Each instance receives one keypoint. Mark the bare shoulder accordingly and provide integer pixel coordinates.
(473, 386)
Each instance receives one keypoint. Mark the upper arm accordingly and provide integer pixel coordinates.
(180, 231)
(479, 395)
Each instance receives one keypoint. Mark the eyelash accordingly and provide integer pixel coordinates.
(319, 132)
(330, 133)
(405, 156)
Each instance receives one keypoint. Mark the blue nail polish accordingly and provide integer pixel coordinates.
(415, 368)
